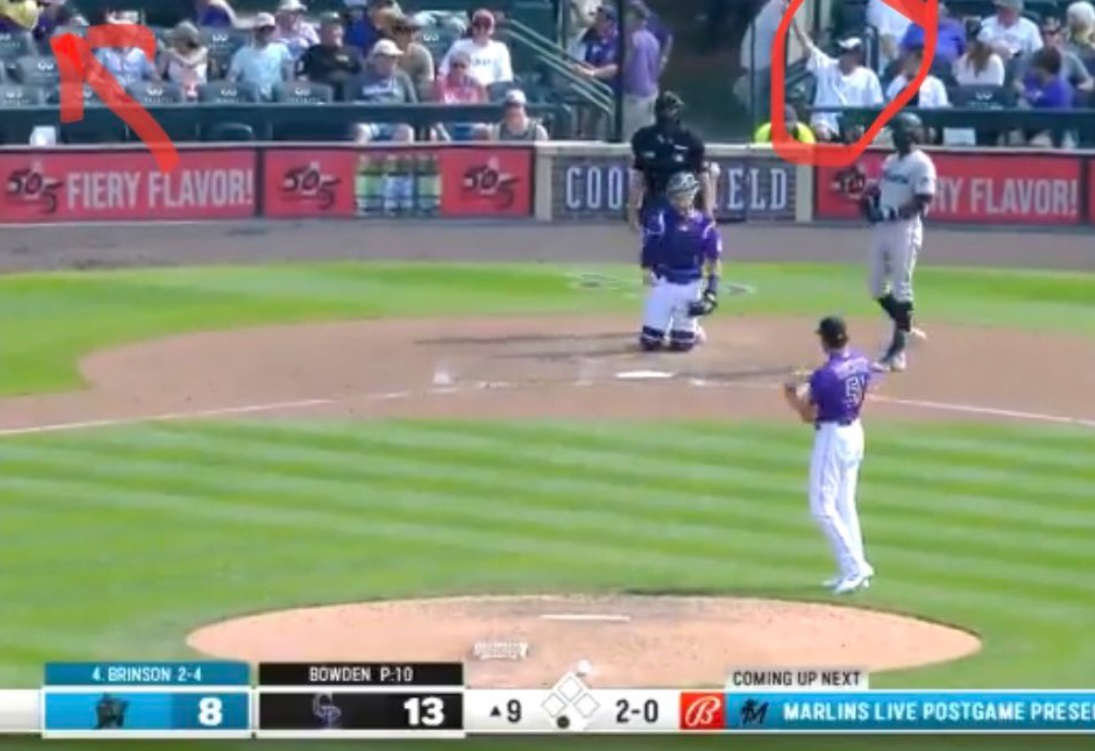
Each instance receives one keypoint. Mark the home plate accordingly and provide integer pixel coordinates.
(643, 375)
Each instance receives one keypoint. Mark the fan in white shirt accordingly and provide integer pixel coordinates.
(932, 93)
(841, 82)
(980, 65)
(490, 59)
(890, 23)
(1009, 32)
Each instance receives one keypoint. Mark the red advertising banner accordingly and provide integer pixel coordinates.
(982, 188)
(308, 183)
(124, 184)
(388, 182)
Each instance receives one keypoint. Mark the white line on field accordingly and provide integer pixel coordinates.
(191, 415)
(971, 409)
(606, 617)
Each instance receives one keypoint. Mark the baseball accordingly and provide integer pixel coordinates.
(584, 668)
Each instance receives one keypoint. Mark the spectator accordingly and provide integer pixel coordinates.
(753, 88)
(932, 93)
(292, 30)
(597, 52)
(797, 129)
(1045, 87)
(1072, 67)
(581, 18)
(186, 61)
(382, 82)
(841, 82)
(214, 13)
(657, 27)
(1010, 33)
(515, 124)
(641, 70)
(362, 30)
(950, 39)
(458, 87)
(891, 25)
(490, 59)
(331, 61)
(264, 63)
(53, 15)
(980, 65)
(128, 65)
(416, 62)
(18, 15)
(1081, 28)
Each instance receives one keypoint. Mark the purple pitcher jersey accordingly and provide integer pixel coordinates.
(839, 387)
(677, 245)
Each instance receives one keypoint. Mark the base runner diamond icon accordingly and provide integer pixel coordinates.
(570, 704)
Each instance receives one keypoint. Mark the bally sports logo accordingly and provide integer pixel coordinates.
(701, 711)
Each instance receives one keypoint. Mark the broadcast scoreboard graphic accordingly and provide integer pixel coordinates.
(431, 700)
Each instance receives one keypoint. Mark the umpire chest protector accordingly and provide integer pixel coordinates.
(661, 152)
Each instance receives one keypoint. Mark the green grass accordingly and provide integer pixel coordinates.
(47, 321)
(117, 542)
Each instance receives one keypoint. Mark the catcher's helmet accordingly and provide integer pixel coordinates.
(681, 189)
(906, 129)
(667, 108)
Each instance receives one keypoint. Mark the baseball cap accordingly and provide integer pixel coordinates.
(832, 329)
(1051, 25)
(1016, 4)
(330, 18)
(515, 96)
(607, 11)
(263, 21)
(850, 44)
(291, 6)
(387, 48)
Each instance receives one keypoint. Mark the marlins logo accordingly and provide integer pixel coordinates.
(110, 713)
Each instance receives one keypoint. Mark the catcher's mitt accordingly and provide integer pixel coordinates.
(705, 306)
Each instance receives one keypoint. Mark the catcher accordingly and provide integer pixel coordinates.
(681, 262)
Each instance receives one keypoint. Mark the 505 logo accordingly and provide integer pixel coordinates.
(309, 184)
(487, 181)
(31, 186)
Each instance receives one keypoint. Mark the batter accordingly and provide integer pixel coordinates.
(895, 208)
(832, 400)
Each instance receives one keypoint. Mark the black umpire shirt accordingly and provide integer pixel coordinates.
(659, 154)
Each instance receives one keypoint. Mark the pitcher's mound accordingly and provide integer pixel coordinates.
(630, 641)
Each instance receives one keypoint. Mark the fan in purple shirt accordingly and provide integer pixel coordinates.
(950, 38)
(1045, 87)
(656, 27)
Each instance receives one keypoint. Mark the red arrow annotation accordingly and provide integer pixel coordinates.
(78, 66)
(924, 13)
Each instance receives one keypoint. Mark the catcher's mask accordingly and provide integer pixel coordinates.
(681, 190)
(833, 332)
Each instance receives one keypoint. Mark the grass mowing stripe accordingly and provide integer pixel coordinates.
(1032, 457)
(401, 504)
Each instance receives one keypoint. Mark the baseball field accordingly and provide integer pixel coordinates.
(423, 454)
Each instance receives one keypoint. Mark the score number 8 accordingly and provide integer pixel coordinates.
(210, 712)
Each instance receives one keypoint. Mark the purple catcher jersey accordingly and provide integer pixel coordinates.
(676, 245)
(839, 387)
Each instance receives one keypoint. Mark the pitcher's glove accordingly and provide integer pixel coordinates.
(873, 211)
(705, 306)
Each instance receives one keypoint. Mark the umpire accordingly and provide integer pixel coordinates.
(660, 151)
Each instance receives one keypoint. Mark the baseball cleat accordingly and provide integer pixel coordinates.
(701, 335)
(917, 336)
(896, 364)
(832, 581)
(852, 584)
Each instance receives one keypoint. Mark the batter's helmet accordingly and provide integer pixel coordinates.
(906, 129)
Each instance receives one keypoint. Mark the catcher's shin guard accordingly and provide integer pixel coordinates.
(681, 341)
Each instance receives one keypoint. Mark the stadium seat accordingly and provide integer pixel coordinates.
(31, 70)
(82, 132)
(304, 92)
(156, 93)
(15, 95)
(221, 132)
(226, 92)
(222, 44)
(982, 97)
(14, 44)
(438, 38)
(496, 92)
